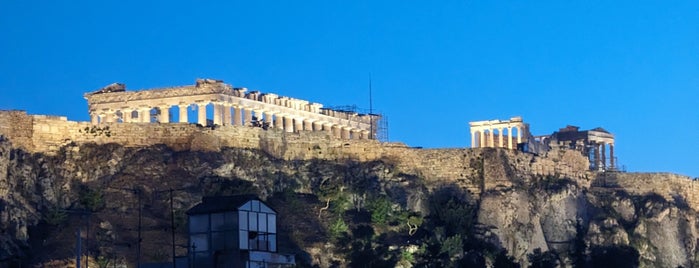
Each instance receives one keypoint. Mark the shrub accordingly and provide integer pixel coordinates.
(380, 210)
(56, 217)
(338, 228)
(90, 199)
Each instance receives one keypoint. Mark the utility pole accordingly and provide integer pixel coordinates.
(87, 242)
(78, 249)
(140, 218)
(78, 233)
(172, 226)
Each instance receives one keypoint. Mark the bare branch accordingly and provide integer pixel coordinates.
(327, 205)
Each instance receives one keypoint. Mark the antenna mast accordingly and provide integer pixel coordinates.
(371, 111)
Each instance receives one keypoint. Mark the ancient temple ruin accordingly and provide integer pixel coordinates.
(592, 143)
(514, 134)
(228, 105)
(499, 133)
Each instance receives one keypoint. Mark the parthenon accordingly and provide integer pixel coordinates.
(228, 105)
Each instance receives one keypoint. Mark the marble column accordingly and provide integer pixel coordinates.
(604, 155)
(519, 135)
(164, 114)
(473, 139)
(355, 134)
(288, 123)
(509, 138)
(328, 128)
(227, 116)
(201, 114)
(110, 117)
(218, 115)
(144, 115)
(597, 156)
(237, 116)
(278, 121)
(481, 141)
(611, 156)
(298, 124)
(183, 113)
(364, 135)
(126, 115)
(308, 125)
(500, 137)
(248, 116)
(345, 134)
(268, 119)
(317, 126)
(337, 131)
(94, 118)
(479, 138)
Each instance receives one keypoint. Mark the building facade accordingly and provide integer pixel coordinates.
(234, 231)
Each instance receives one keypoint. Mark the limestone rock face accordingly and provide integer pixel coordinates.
(517, 211)
(527, 220)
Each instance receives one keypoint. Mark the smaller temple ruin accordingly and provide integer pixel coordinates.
(499, 133)
(227, 106)
(591, 143)
(514, 134)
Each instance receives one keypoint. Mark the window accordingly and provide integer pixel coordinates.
(257, 225)
(253, 221)
(199, 242)
(262, 222)
(243, 238)
(218, 222)
(198, 223)
(271, 223)
(243, 220)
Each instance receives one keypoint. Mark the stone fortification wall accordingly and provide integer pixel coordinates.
(673, 187)
(17, 127)
(477, 170)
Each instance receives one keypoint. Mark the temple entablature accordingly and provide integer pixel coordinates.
(226, 106)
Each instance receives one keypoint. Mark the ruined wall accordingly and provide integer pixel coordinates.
(672, 187)
(17, 127)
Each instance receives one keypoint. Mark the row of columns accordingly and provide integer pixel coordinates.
(599, 157)
(479, 138)
(227, 114)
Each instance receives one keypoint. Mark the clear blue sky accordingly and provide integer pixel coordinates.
(631, 67)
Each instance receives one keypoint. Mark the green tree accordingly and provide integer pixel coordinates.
(91, 199)
(380, 209)
(56, 216)
(338, 228)
(453, 246)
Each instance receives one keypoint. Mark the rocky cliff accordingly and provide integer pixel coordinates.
(400, 207)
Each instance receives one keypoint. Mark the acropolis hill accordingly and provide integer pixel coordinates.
(293, 130)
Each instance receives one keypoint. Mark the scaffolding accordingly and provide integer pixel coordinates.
(380, 124)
